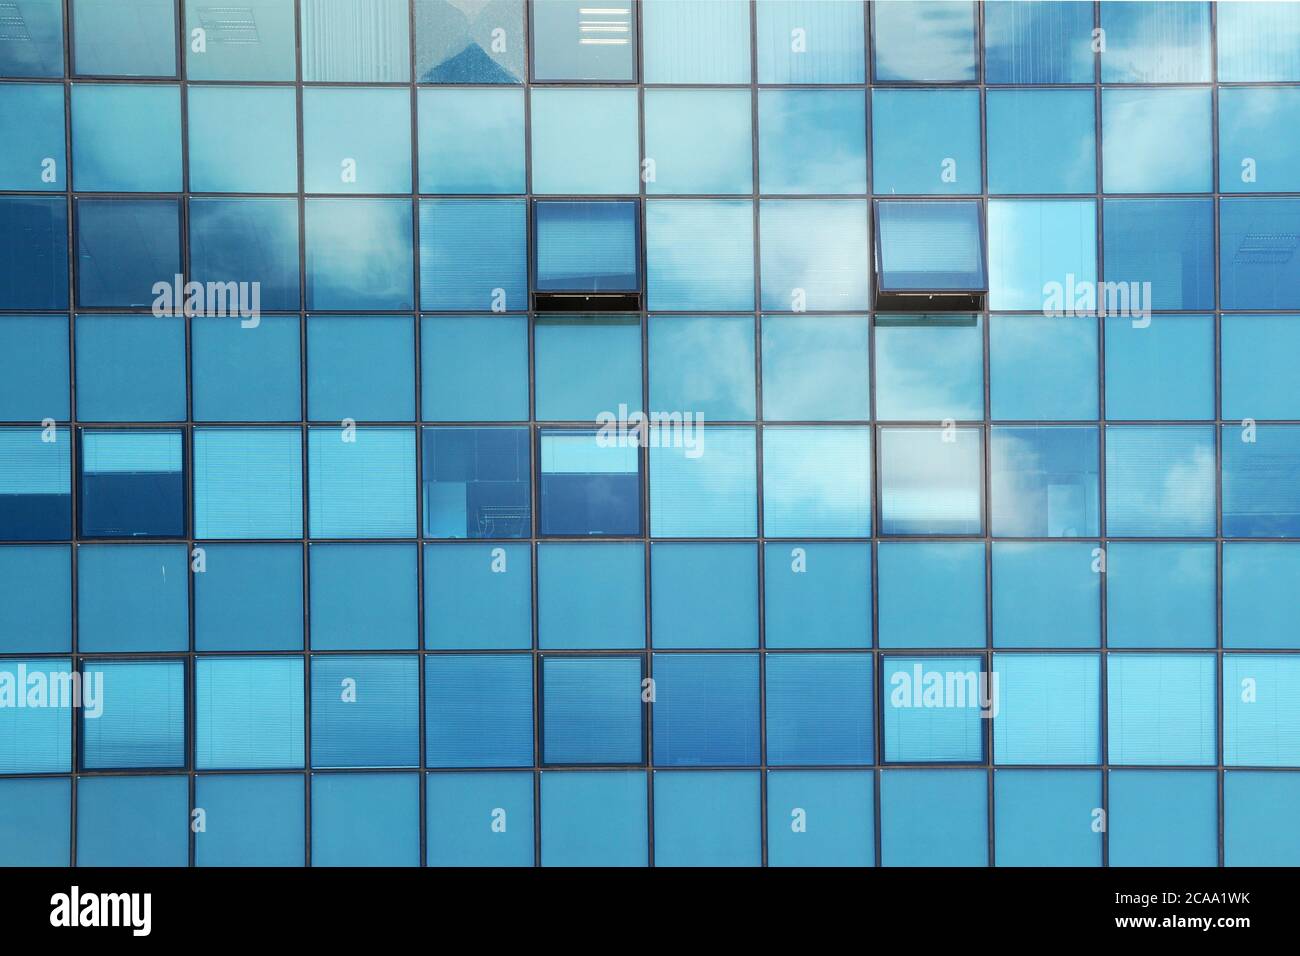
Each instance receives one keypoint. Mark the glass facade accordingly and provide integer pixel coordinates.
(661, 432)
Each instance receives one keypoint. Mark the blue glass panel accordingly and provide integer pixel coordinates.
(33, 252)
(476, 483)
(356, 41)
(140, 722)
(249, 598)
(814, 254)
(1258, 41)
(364, 596)
(700, 140)
(128, 252)
(695, 41)
(361, 367)
(1256, 151)
(356, 140)
(31, 124)
(700, 254)
(267, 161)
(126, 138)
(250, 820)
(132, 484)
(130, 368)
(932, 42)
(829, 48)
(812, 141)
(930, 481)
(1162, 250)
(38, 49)
(706, 710)
(363, 488)
(703, 364)
(132, 597)
(1161, 708)
(475, 368)
(570, 386)
(245, 374)
(34, 815)
(1152, 42)
(253, 242)
(365, 711)
(478, 710)
(1261, 498)
(478, 595)
(584, 141)
(1159, 481)
(36, 599)
(910, 573)
(247, 483)
(254, 41)
(365, 819)
(1041, 141)
(927, 246)
(124, 37)
(133, 821)
(1042, 367)
(1037, 42)
(934, 818)
(710, 818)
(702, 594)
(569, 573)
(359, 254)
(1044, 481)
(248, 713)
(1045, 594)
(1161, 594)
(37, 737)
(562, 38)
(1042, 255)
(1164, 369)
(925, 141)
(929, 367)
(1261, 717)
(703, 483)
(483, 43)
(1155, 140)
(817, 594)
(479, 819)
(586, 247)
(1259, 380)
(1045, 817)
(819, 709)
(1259, 828)
(34, 367)
(35, 485)
(1259, 594)
(815, 368)
(1163, 818)
(1048, 709)
(821, 818)
(816, 482)
(471, 141)
(594, 819)
(592, 710)
(1257, 242)
(933, 709)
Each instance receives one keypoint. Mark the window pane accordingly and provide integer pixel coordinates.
(1259, 595)
(35, 485)
(133, 597)
(1155, 140)
(389, 803)
(364, 596)
(359, 254)
(471, 141)
(1161, 708)
(703, 482)
(356, 41)
(1041, 141)
(124, 37)
(479, 710)
(271, 814)
(1261, 498)
(456, 804)
(702, 594)
(585, 141)
(1045, 594)
(707, 818)
(910, 572)
(31, 124)
(948, 729)
(1258, 828)
(1161, 594)
(594, 819)
(1034, 242)
(1261, 731)
(706, 710)
(266, 163)
(131, 368)
(1037, 813)
(36, 598)
(568, 573)
(124, 249)
(573, 41)
(592, 712)
(251, 242)
(815, 254)
(476, 483)
(1159, 481)
(1258, 41)
(819, 709)
(361, 367)
(478, 596)
(34, 367)
(843, 799)
(812, 141)
(930, 246)
(363, 488)
(378, 725)
(132, 484)
(249, 598)
(1161, 370)
(700, 140)
(932, 41)
(254, 41)
(832, 47)
(703, 364)
(459, 44)
(472, 254)
(1032, 42)
(1050, 709)
(141, 723)
(1044, 482)
(695, 41)
(1258, 378)
(1256, 248)
(33, 252)
(816, 482)
(1163, 251)
(247, 483)
(35, 739)
(934, 818)
(356, 140)
(126, 137)
(1150, 42)
(930, 481)
(590, 484)
(925, 141)
(475, 367)
(816, 368)
(34, 815)
(817, 594)
(1256, 151)
(245, 375)
(570, 385)
(38, 49)
(248, 713)
(1042, 367)
(700, 255)
(586, 247)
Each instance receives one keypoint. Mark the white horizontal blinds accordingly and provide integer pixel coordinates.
(362, 488)
(247, 483)
(356, 41)
(31, 466)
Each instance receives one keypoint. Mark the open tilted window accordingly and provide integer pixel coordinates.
(588, 256)
(930, 256)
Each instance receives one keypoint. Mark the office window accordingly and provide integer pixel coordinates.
(695, 41)
(586, 247)
(1041, 141)
(35, 485)
(457, 804)
(479, 44)
(1138, 125)
(930, 247)
(1161, 254)
(1150, 42)
(363, 487)
(356, 140)
(1159, 481)
(816, 482)
(569, 574)
(478, 596)
(1255, 42)
(34, 367)
(816, 368)
(471, 140)
(703, 594)
(930, 481)
(1042, 367)
(934, 42)
(133, 597)
(365, 819)
(925, 141)
(594, 819)
(364, 596)
(1046, 594)
(700, 254)
(1260, 495)
(1257, 829)
(814, 255)
(1256, 249)
(141, 720)
(592, 711)
(1038, 42)
(819, 709)
(245, 374)
(34, 820)
(365, 711)
(247, 483)
(359, 254)
(267, 161)
(476, 483)
(249, 598)
(248, 713)
(1259, 594)
(1042, 255)
(910, 573)
(703, 481)
(1162, 594)
(842, 802)
(1044, 482)
(585, 141)
(929, 367)
(361, 367)
(1038, 816)
(711, 818)
(589, 483)
(35, 739)
(1049, 709)
(31, 123)
(812, 141)
(126, 137)
(33, 252)
(700, 140)
(124, 37)
(475, 367)
(128, 252)
(132, 821)
(132, 484)
(130, 368)
(356, 41)
(575, 41)
(1255, 152)
(932, 709)
(934, 818)
(242, 245)
(254, 41)
(253, 820)
(587, 365)
(1161, 709)
(1257, 382)
(1164, 369)
(706, 710)
(817, 594)
(36, 599)
(703, 364)
(39, 50)
(1163, 818)
(830, 48)
(478, 710)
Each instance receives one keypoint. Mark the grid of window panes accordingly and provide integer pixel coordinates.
(378, 568)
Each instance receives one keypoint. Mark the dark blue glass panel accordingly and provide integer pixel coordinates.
(245, 374)
(934, 818)
(1258, 265)
(365, 819)
(359, 254)
(1045, 482)
(132, 484)
(248, 713)
(812, 141)
(34, 368)
(253, 242)
(473, 255)
(126, 137)
(478, 596)
(930, 481)
(365, 711)
(930, 246)
(819, 709)
(471, 141)
(33, 252)
(128, 252)
(140, 722)
(361, 367)
(36, 739)
(475, 368)
(133, 821)
(249, 598)
(477, 483)
(253, 41)
(133, 597)
(1168, 243)
(924, 42)
(706, 710)
(586, 247)
(587, 485)
(364, 596)
(131, 368)
(1037, 42)
(35, 485)
(36, 599)
(462, 810)
(478, 710)
(251, 820)
(267, 117)
(592, 711)
(1153, 42)
(36, 48)
(1261, 497)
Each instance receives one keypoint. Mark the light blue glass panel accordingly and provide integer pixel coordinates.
(569, 385)
(1261, 498)
(471, 141)
(478, 596)
(249, 598)
(1045, 594)
(705, 489)
(126, 138)
(475, 368)
(929, 367)
(459, 44)
(1257, 153)
(1045, 817)
(1164, 369)
(361, 367)
(34, 249)
(831, 47)
(1260, 594)
(838, 805)
(1161, 594)
(1161, 708)
(124, 37)
(585, 141)
(1258, 41)
(462, 811)
(572, 40)
(1159, 481)
(812, 141)
(251, 820)
(359, 254)
(1038, 42)
(31, 124)
(930, 481)
(929, 246)
(364, 596)
(586, 247)
(1048, 709)
(1042, 367)
(365, 711)
(1159, 251)
(1156, 140)
(706, 710)
(363, 488)
(819, 709)
(1042, 255)
(817, 482)
(133, 821)
(365, 819)
(817, 594)
(700, 140)
(1163, 818)
(254, 41)
(710, 818)
(34, 820)
(248, 712)
(932, 709)
(1154, 42)
(695, 41)
(815, 254)
(356, 140)
(1259, 828)
(700, 255)
(1041, 141)
(34, 367)
(925, 141)
(592, 710)
(910, 574)
(924, 42)
(132, 597)
(141, 715)
(36, 599)
(38, 50)
(594, 819)
(35, 739)
(569, 573)
(1259, 379)
(1257, 269)
(815, 368)
(934, 818)
(267, 118)
(130, 368)
(704, 364)
(478, 710)
(473, 254)
(356, 41)
(247, 483)
(702, 594)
